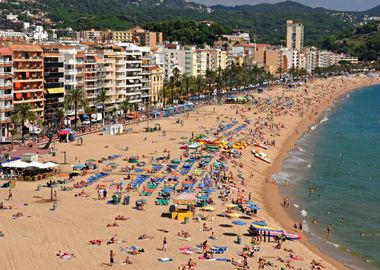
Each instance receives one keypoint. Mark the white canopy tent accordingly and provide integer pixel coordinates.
(22, 164)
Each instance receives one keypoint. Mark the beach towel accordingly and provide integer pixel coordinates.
(185, 248)
(184, 239)
(165, 259)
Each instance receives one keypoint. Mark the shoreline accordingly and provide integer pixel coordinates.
(272, 196)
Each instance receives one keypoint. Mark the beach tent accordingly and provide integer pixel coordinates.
(184, 198)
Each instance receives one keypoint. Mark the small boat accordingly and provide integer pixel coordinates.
(261, 145)
(261, 155)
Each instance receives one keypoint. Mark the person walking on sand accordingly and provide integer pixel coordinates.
(112, 254)
(164, 244)
(10, 195)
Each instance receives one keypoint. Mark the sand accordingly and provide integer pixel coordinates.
(32, 241)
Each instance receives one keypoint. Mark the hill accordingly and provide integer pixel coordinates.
(265, 22)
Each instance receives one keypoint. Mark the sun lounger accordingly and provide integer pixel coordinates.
(165, 259)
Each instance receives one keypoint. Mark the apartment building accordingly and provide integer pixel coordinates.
(93, 76)
(6, 92)
(146, 38)
(133, 68)
(28, 77)
(115, 75)
(157, 83)
(54, 82)
(294, 35)
(273, 59)
(171, 57)
(69, 55)
(190, 61)
(90, 35)
(219, 59)
(290, 59)
(148, 61)
(311, 56)
(80, 68)
(119, 36)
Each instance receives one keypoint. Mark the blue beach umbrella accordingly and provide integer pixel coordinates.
(239, 222)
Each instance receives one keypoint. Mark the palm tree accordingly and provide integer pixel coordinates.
(21, 114)
(60, 114)
(187, 84)
(199, 85)
(125, 106)
(219, 81)
(279, 71)
(210, 78)
(164, 92)
(13, 132)
(74, 100)
(103, 98)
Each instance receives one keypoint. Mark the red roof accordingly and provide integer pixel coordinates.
(5, 51)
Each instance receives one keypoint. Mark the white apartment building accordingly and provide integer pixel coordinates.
(133, 68)
(6, 93)
(148, 62)
(70, 67)
(311, 56)
(291, 58)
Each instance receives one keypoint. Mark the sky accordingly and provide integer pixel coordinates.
(351, 5)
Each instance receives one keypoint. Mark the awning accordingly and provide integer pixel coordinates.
(59, 90)
(22, 164)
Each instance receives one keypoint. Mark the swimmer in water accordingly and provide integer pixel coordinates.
(341, 219)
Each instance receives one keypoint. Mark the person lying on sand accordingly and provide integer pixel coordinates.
(114, 239)
(113, 225)
(183, 234)
(82, 194)
(205, 228)
(145, 236)
(95, 242)
(65, 255)
(18, 215)
(316, 265)
(119, 217)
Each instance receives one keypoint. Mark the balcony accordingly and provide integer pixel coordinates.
(53, 65)
(6, 63)
(31, 59)
(7, 108)
(31, 79)
(6, 75)
(6, 96)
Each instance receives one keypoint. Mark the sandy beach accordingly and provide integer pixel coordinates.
(78, 226)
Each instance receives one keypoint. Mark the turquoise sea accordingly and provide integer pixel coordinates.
(334, 177)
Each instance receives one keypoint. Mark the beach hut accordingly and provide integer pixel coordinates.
(183, 199)
(112, 130)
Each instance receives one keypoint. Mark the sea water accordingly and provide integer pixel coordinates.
(334, 175)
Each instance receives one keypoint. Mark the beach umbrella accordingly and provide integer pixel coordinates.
(208, 208)
(233, 215)
(239, 223)
(167, 190)
(253, 207)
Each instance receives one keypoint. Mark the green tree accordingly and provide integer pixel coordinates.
(74, 100)
(199, 85)
(210, 78)
(60, 114)
(103, 98)
(125, 106)
(187, 84)
(21, 114)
